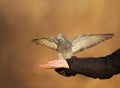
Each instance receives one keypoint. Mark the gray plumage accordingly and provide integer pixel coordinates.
(66, 48)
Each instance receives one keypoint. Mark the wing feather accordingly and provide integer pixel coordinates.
(85, 41)
(50, 42)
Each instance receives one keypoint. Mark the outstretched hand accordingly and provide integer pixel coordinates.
(60, 63)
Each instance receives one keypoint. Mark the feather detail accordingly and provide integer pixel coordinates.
(50, 42)
(85, 41)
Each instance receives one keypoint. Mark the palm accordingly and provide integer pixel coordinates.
(55, 64)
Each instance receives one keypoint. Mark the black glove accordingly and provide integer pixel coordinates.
(65, 72)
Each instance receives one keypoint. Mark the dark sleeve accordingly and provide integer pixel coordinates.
(101, 67)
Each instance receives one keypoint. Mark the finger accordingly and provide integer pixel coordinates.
(46, 66)
(52, 61)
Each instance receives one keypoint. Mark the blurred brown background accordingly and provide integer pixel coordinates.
(23, 20)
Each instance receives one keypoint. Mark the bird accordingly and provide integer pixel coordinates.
(67, 48)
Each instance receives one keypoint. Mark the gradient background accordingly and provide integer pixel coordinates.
(23, 20)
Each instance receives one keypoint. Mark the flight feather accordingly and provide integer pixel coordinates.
(85, 41)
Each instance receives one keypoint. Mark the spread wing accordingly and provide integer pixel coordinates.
(85, 41)
(50, 42)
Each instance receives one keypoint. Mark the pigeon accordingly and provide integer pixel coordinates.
(66, 49)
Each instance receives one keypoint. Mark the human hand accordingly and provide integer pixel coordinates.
(60, 63)
(60, 66)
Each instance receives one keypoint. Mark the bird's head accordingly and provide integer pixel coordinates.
(61, 38)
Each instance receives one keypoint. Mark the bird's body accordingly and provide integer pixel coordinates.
(66, 49)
